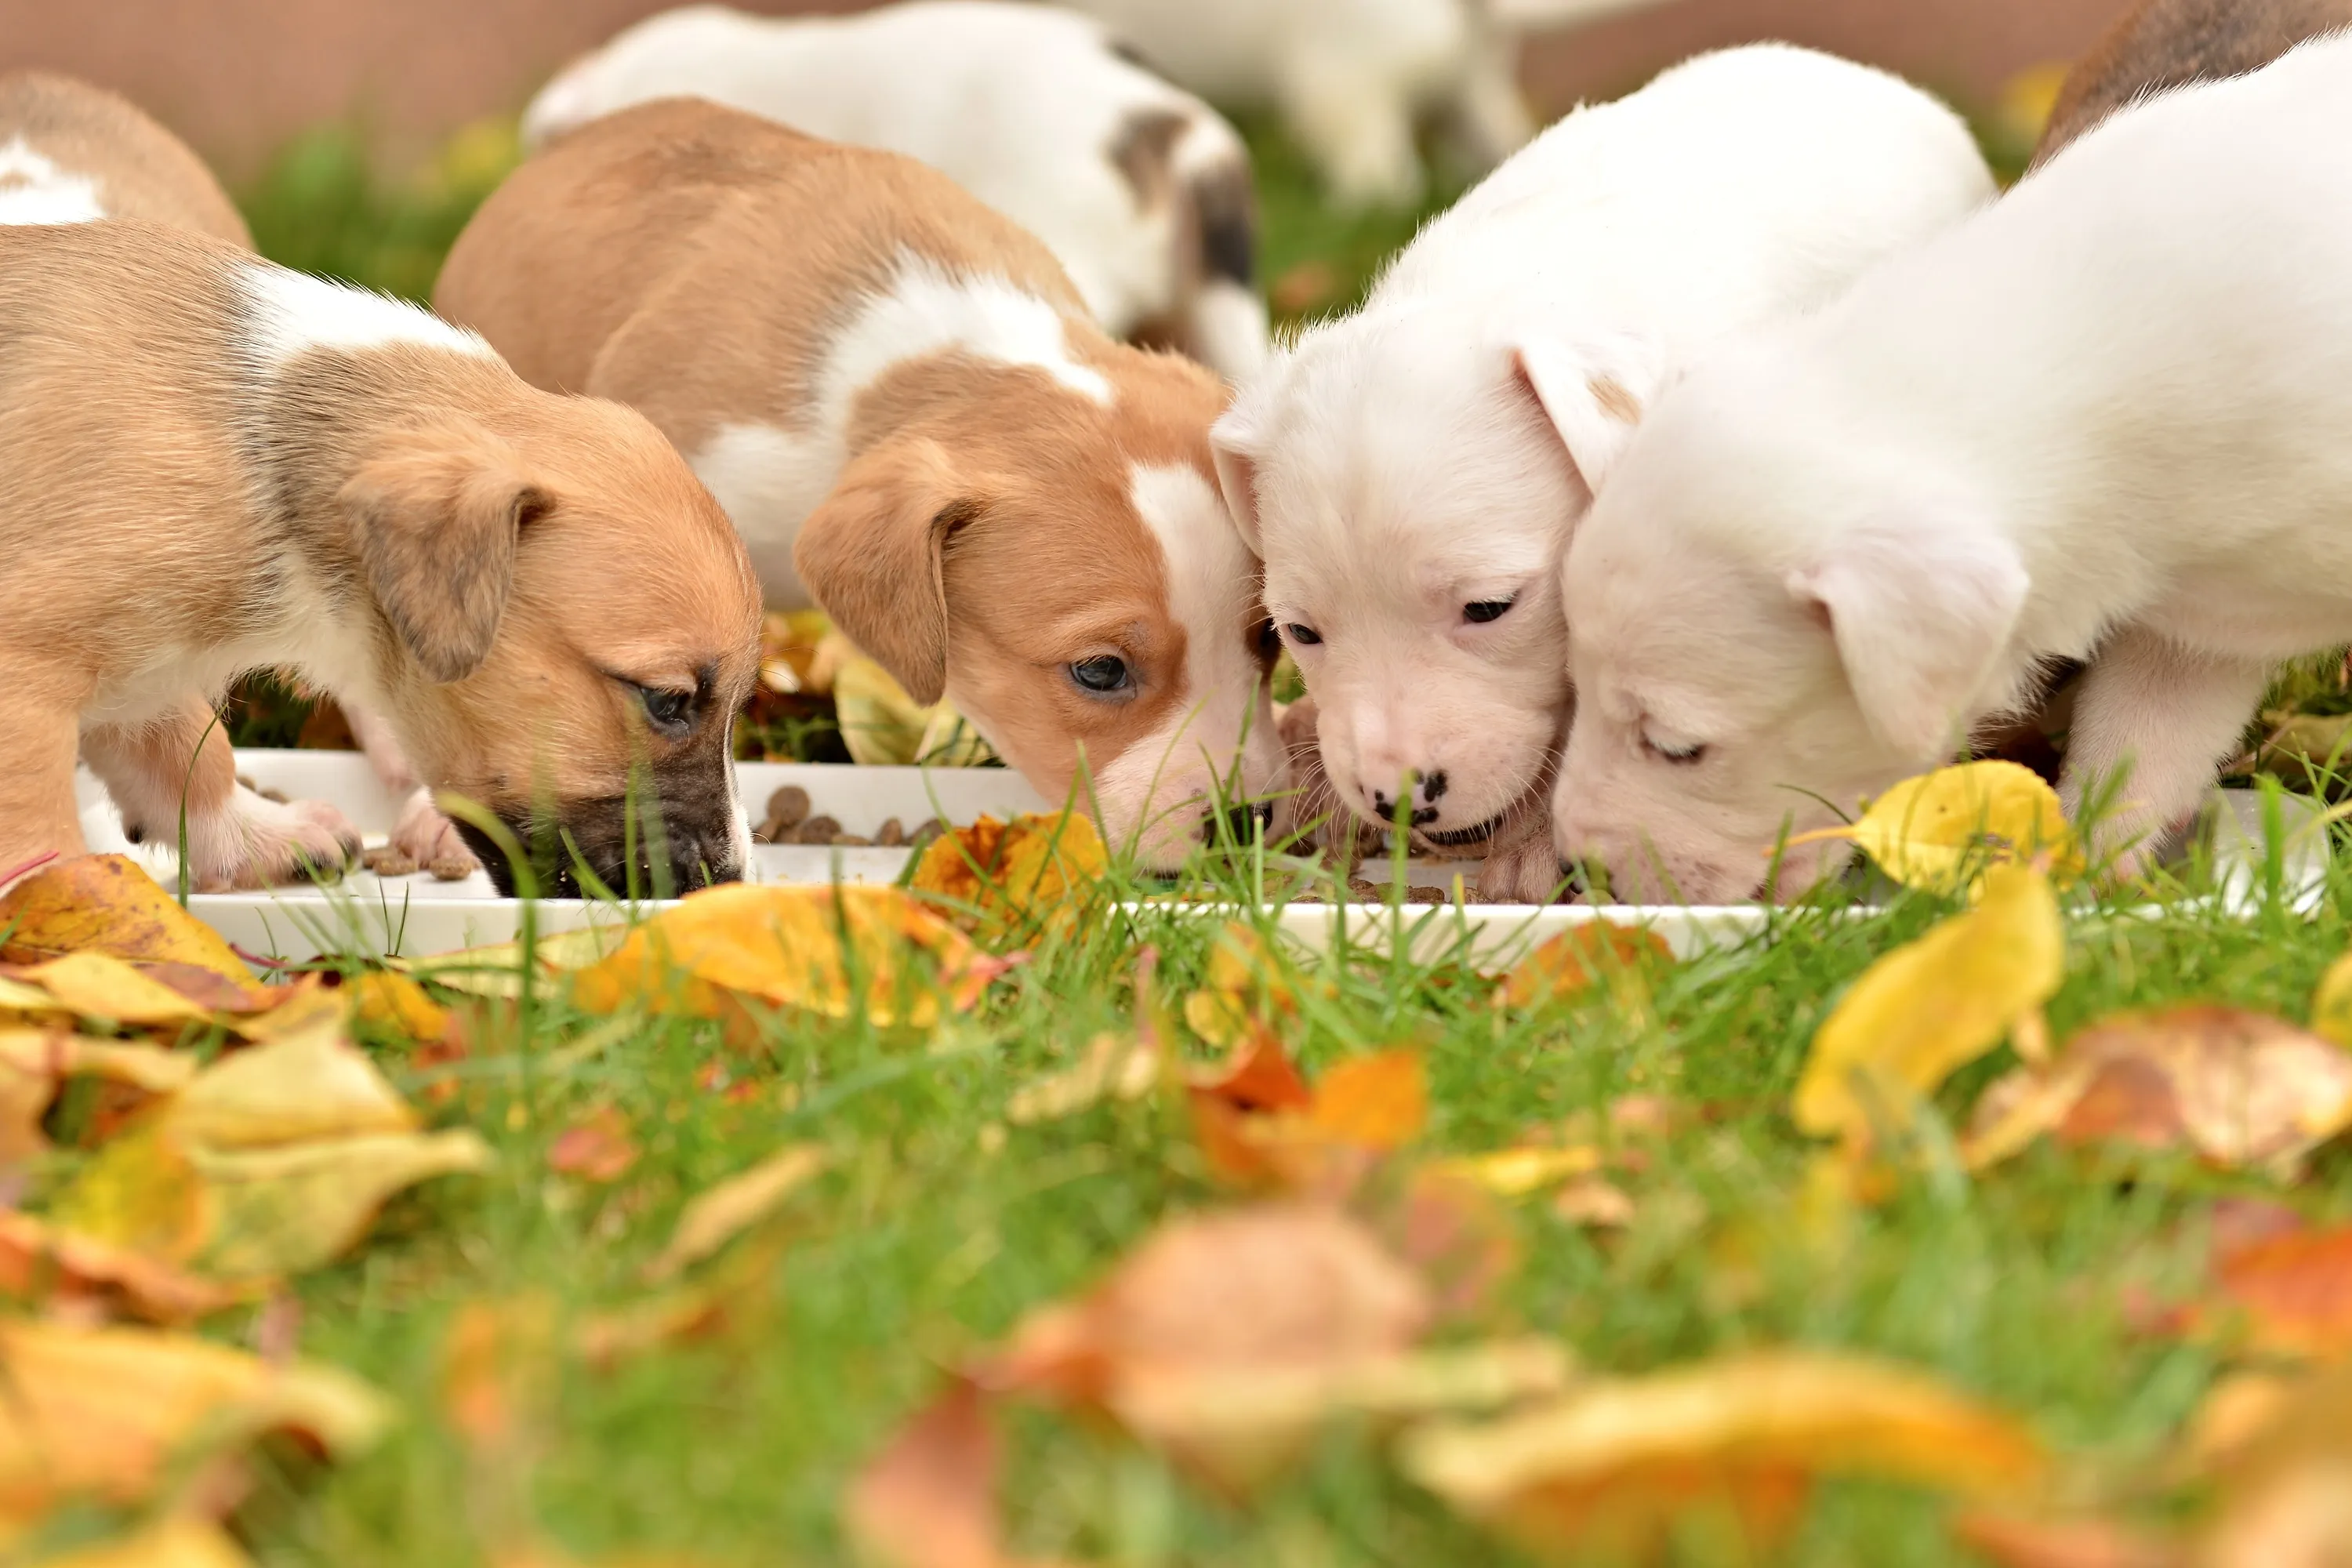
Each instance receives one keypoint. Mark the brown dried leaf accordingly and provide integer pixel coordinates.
(41, 1264)
(2289, 1295)
(734, 1205)
(2240, 1088)
(1608, 1467)
(929, 1499)
(597, 1148)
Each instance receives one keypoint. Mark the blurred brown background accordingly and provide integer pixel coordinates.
(240, 77)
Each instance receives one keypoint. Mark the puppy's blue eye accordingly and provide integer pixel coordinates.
(1486, 610)
(1105, 673)
(671, 711)
(1305, 636)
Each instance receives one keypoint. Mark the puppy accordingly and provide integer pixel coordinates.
(2101, 421)
(1142, 191)
(901, 401)
(1410, 474)
(1352, 79)
(2165, 44)
(215, 464)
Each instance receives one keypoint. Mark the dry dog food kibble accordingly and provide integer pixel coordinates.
(787, 809)
(388, 862)
(890, 835)
(451, 869)
(817, 830)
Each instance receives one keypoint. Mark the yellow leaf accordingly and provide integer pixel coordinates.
(173, 1543)
(2331, 1004)
(1608, 1467)
(1007, 877)
(108, 903)
(1248, 987)
(1567, 965)
(141, 1193)
(394, 1002)
(1932, 1005)
(497, 971)
(734, 1205)
(1515, 1172)
(43, 1265)
(784, 946)
(1116, 1067)
(98, 985)
(288, 1210)
(35, 1062)
(1942, 830)
(110, 1412)
(309, 1087)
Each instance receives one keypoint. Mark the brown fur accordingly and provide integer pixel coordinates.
(411, 527)
(142, 171)
(693, 261)
(2166, 44)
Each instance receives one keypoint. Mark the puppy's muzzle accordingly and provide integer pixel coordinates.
(624, 846)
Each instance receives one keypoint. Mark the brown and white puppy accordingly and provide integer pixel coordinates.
(71, 152)
(2165, 44)
(215, 464)
(900, 400)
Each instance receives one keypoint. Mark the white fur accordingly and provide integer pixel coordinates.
(2105, 419)
(1021, 104)
(33, 189)
(1435, 450)
(1352, 77)
(292, 313)
(770, 480)
(1161, 781)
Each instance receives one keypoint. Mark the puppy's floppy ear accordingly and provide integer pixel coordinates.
(1922, 612)
(1594, 395)
(1237, 442)
(437, 510)
(873, 555)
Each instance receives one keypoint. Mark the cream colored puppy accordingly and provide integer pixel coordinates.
(1140, 190)
(1412, 473)
(2103, 421)
(899, 399)
(216, 465)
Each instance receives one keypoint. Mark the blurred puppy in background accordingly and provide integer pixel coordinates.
(903, 404)
(1141, 190)
(1412, 473)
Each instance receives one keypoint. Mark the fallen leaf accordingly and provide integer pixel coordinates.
(112, 1413)
(173, 1543)
(2284, 1495)
(597, 1148)
(392, 1002)
(1249, 989)
(883, 727)
(784, 946)
(733, 1207)
(35, 1064)
(2240, 1088)
(43, 1265)
(498, 1370)
(1942, 831)
(1457, 1237)
(2241, 1407)
(496, 971)
(1115, 1067)
(929, 1499)
(2331, 1004)
(2010, 1542)
(1608, 1467)
(1591, 1202)
(108, 904)
(2286, 1295)
(1570, 963)
(1259, 1123)
(1515, 1172)
(1011, 878)
(100, 986)
(1379, 1102)
(295, 1090)
(288, 1210)
(1292, 1291)
(1931, 1006)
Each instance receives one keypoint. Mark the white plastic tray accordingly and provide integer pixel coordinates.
(414, 915)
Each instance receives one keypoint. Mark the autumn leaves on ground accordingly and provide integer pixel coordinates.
(1006, 1220)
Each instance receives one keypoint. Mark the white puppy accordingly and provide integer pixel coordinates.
(2104, 421)
(1410, 474)
(1351, 78)
(1141, 190)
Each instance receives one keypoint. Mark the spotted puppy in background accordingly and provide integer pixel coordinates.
(1412, 473)
(2103, 421)
(1140, 189)
(902, 403)
(217, 464)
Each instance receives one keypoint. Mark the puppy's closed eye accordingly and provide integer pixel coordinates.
(1677, 752)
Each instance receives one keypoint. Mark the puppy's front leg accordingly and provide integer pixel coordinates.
(2170, 716)
(423, 833)
(37, 816)
(236, 838)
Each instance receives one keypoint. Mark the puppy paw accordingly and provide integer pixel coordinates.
(259, 843)
(1524, 873)
(428, 838)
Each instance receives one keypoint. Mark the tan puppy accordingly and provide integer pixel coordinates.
(71, 152)
(215, 464)
(2166, 44)
(898, 398)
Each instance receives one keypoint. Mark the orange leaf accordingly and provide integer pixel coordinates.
(929, 1499)
(108, 903)
(597, 1148)
(1008, 878)
(394, 1003)
(1379, 1102)
(2293, 1293)
(2013, 1542)
(41, 1264)
(1568, 964)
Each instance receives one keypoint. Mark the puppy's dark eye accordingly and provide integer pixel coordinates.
(1305, 636)
(1267, 642)
(670, 711)
(1103, 674)
(1484, 610)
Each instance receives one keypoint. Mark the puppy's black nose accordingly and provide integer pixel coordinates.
(1572, 876)
(1432, 788)
(1385, 809)
(1242, 821)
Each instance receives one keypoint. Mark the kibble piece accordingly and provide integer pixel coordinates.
(388, 861)
(787, 809)
(817, 830)
(890, 835)
(1363, 892)
(451, 869)
(923, 834)
(851, 841)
